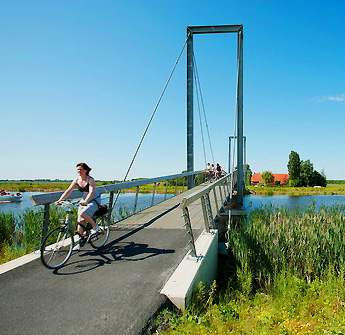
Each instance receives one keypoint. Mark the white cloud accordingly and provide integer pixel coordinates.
(335, 98)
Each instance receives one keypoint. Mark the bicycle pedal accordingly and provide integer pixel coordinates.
(82, 242)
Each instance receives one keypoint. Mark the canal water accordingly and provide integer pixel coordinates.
(257, 201)
(125, 201)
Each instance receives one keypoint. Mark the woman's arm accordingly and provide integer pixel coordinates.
(68, 191)
(92, 186)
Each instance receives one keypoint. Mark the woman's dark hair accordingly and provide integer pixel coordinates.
(85, 167)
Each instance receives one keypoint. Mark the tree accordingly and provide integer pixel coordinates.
(268, 177)
(294, 167)
(249, 174)
(318, 179)
(306, 172)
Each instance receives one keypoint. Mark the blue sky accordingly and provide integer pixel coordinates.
(80, 79)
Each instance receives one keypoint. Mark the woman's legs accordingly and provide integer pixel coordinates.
(80, 229)
(89, 219)
(84, 218)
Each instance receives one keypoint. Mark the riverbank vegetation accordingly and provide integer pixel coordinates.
(286, 276)
(269, 190)
(20, 234)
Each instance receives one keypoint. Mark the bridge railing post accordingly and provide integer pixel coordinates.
(204, 211)
(45, 222)
(207, 212)
(136, 199)
(216, 200)
(221, 194)
(110, 206)
(188, 226)
(166, 190)
(153, 193)
(228, 180)
(224, 190)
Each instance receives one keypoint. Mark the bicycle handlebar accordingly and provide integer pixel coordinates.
(69, 202)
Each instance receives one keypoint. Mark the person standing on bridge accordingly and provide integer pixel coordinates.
(88, 205)
(209, 172)
(218, 171)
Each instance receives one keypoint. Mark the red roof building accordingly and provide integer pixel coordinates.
(283, 178)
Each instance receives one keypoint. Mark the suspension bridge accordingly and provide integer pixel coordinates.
(157, 253)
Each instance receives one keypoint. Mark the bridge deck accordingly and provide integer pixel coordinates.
(110, 292)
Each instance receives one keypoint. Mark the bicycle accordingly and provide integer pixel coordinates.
(57, 247)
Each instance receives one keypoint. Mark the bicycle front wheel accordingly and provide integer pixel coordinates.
(101, 237)
(57, 248)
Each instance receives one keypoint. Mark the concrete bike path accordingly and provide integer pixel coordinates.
(111, 291)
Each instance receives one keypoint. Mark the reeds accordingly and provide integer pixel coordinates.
(304, 243)
(21, 234)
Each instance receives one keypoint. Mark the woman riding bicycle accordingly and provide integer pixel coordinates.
(87, 206)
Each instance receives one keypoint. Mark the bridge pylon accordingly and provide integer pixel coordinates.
(191, 30)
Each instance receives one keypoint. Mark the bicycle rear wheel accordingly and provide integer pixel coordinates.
(101, 237)
(57, 248)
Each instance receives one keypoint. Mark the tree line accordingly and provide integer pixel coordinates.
(302, 173)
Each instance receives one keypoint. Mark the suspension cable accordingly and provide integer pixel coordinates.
(203, 107)
(152, 116)
(202, 132)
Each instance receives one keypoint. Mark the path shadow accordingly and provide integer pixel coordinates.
(79, 266)
(130, 251)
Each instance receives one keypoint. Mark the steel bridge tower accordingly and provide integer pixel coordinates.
(191, 30)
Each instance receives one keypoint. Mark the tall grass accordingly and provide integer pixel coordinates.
(21, 234)
(302, 242)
